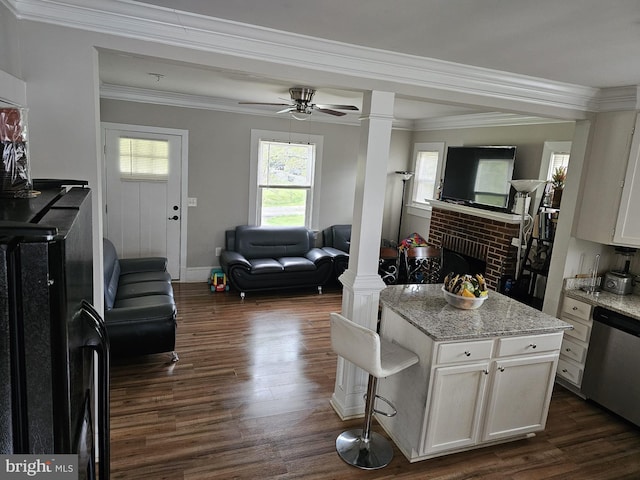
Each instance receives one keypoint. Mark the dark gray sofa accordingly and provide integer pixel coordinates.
(266, 258)
(140, 311)
(336, 241)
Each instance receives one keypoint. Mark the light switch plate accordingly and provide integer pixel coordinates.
(193, 202)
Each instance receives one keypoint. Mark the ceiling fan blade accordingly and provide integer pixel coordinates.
(291, 108)
(339, 107)
(329, 111)
(263, 103)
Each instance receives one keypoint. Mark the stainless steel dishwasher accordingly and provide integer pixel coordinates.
(611, 370)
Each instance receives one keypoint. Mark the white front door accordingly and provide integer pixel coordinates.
(143, 178)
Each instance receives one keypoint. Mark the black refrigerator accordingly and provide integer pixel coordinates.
(54, 351)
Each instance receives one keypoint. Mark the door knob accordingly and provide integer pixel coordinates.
(175, 217)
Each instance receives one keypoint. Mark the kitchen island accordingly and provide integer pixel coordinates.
(485, 376)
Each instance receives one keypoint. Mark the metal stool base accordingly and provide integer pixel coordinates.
(371, 455)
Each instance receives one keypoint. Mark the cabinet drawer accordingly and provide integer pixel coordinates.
(580, 330)
(577, 309)
(464, 351)
(570, 372)
(573, 351)
(508, 346)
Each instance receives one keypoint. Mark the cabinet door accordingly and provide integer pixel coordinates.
(604, 171)
(628, 224)
(455, 408)
(519, 397)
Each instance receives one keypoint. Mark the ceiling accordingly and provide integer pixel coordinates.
(582, 42)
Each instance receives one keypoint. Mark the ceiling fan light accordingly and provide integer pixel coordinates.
(301, 115)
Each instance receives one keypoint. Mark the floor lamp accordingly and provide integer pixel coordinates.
(405, 177)
(525, 188)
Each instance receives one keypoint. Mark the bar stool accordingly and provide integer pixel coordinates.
(380, 358)
(389, 265)
(423, 264)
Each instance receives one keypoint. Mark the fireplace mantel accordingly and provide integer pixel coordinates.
(476, 212)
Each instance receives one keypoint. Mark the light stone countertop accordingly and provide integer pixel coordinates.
(424, 307)
(625, 304)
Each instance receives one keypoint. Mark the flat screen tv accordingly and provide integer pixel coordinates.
(479, 176)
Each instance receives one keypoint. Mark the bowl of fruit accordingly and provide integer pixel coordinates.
(467, 292)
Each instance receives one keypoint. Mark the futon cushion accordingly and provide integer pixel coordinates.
(296, 264)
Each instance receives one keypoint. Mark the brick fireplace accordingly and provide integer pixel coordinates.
(477, 236)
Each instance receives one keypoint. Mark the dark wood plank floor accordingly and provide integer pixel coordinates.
(249, 399)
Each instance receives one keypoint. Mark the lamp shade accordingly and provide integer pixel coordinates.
(526, 186)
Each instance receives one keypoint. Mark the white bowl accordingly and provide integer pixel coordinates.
(465, 303)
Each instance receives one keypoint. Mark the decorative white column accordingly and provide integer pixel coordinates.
(361, 282)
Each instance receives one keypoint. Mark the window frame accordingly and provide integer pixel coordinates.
(418, 147)
(313, 197)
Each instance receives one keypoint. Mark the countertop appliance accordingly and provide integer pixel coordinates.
(619, 283)
(619, 280)
(610, 378)
(50, 336)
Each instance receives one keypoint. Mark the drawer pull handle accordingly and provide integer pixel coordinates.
(533, 345)
(467, 353)
(567, 349)
(564, 370)
(574, 308)
(485, 371)
(501, 369)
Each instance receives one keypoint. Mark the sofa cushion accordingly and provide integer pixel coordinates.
(127, 278)
(142, 289)
(265, 265)
(296, 264)
(146, 301)
(272, 242)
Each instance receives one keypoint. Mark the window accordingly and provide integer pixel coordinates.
(144, 159)
(285, 175)
(427, 167)
(557, 160)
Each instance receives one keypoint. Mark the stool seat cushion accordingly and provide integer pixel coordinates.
(364, 348)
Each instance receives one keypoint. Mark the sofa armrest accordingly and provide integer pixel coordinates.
(318, 256)
(334, 252)
(144, 264)
(229, 258)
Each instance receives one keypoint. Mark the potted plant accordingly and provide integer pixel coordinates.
(557, 181)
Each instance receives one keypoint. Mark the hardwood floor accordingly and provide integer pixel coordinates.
(249, 399)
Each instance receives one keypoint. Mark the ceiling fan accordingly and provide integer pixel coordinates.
(301, 106)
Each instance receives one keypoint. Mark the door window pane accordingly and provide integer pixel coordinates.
(143, 159)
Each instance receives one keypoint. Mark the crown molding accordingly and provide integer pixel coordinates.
(474, 120)
(619, 98)
(157, 97)
(128, 18)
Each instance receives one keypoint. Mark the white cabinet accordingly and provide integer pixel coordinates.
(506, 396)
(457, 395)
(467, 394)
(573, 351)
(628, 222)
(520, 395)
(611, 182)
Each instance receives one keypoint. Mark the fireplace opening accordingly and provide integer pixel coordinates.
(458, 262)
